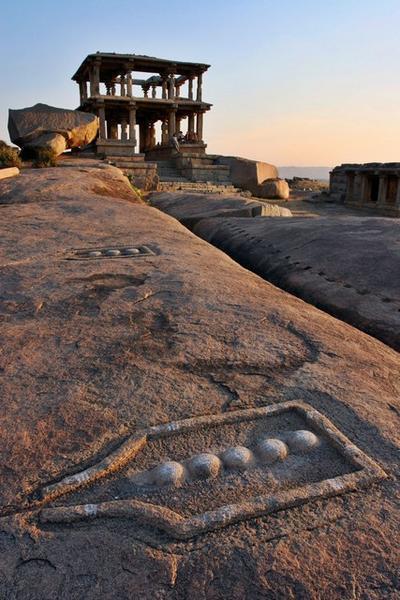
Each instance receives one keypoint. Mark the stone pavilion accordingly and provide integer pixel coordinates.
(133, 94)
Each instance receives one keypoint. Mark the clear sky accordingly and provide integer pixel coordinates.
(303, 82)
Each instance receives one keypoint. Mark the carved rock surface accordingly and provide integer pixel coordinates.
(92, 351)
(43, 126)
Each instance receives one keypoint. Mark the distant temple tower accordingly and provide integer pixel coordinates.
(172, 94)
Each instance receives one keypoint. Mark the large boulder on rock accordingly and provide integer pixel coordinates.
(248, 174)
(43, 126)
(190, 208)
(273, 188)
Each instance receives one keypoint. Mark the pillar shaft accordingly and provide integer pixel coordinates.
(199, 87)
(397, 202)
(164, 132)
(382, 193)
(143, 127)
(124, 130)
(95, 91)
(164, 88)
(200, 127)
(171, 85)
(122, 85)
(129, 83)
(172, 123)
(83, 91)
(113, 130)
(102, 124)
(190, 88)
(132, 124)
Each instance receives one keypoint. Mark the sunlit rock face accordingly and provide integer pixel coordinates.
(43, 126)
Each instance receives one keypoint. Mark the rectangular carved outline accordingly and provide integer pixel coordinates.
(184, 528)
(144, 251)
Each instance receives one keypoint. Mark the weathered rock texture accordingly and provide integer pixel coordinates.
(43, 126)
(349, 266)
(190, 208)
(92, 351)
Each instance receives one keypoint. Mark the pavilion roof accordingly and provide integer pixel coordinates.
(113, 63)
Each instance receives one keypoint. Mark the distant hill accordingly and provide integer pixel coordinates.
(309, 172)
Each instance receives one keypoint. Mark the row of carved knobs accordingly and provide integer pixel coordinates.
(240, 458)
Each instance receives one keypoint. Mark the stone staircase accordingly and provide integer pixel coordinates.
(196, 173)
(142, 173)
(196, 187)
(169, 173)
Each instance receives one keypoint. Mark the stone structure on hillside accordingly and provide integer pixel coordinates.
(372, 186)
(110, 88)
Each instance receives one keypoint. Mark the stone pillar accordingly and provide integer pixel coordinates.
(191, 126)
(122, 81)
(152, 136)
(96, 78)
(364, 188)
(397, 203)
(132, 123)
(124, 129)
(145, 89)
(154, 91)
(382, 192)
(164, 87)
(177, 91)
(199, 126)
(172, 123)
(113, 130)
(113, 88)
(91, 82)
(190, 88)
(171, 85)
(143, 128)
(83, 91)
(164, 132)
(102, 122)
(178, 124)
(129, 83)
(199, 87)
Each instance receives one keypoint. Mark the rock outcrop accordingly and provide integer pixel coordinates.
(95, 351)
(43, 126)
(276, 189)
(259, 178)
(346, 265)
(247, 174)
(190, 208)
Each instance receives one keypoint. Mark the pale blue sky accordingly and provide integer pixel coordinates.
(292, 82)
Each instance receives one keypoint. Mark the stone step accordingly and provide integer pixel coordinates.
(126, 159)
(197, 187)
(173, 179)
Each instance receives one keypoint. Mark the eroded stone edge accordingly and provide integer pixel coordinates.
(113, 462)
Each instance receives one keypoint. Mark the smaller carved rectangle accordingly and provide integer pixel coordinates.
(110, 252)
